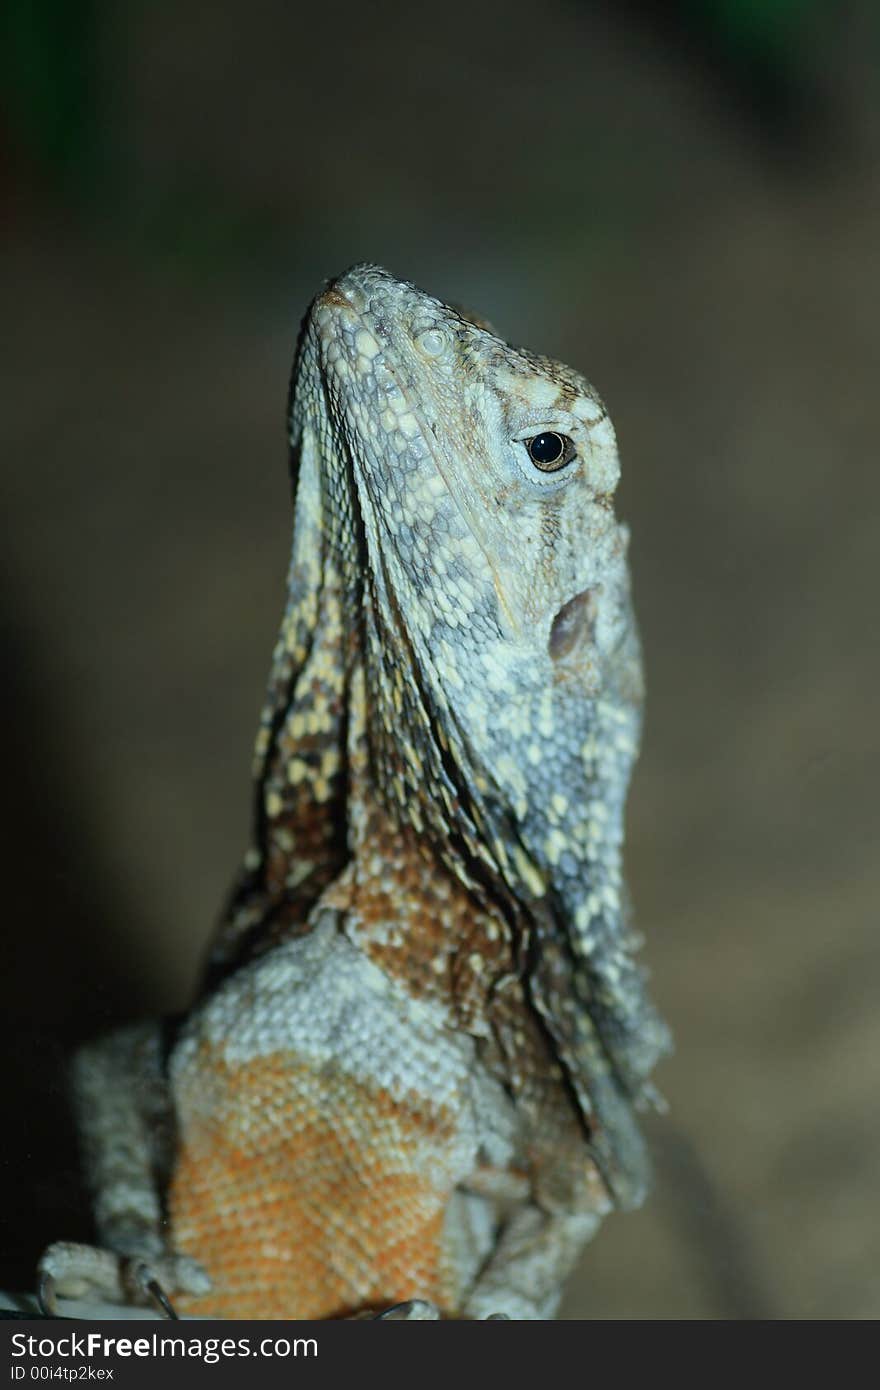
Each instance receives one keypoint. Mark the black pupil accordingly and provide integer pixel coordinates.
(546, 448)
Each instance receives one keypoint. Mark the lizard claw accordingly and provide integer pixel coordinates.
(419, 1310)
(47, 1297)
(414, 1310)
(143, 1276)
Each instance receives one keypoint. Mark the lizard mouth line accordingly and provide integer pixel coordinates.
(328, 331)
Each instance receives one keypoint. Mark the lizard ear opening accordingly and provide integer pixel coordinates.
(573, 622)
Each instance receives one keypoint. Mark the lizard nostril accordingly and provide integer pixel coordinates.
(574, 620)
(333, 298)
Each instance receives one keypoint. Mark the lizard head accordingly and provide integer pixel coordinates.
(477, 479)
(486, 475)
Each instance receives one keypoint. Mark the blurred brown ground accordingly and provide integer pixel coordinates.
(588, 187)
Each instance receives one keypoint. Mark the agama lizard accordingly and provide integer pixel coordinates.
(413, 1069)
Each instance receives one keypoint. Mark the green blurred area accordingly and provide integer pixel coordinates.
(64, 73)
(55, 74)
(770, 30)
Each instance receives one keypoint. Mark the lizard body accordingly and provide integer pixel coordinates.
(413, 1069)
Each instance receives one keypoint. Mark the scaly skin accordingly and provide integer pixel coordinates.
(413, 1069)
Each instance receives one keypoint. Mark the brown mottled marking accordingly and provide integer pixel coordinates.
(438, 929)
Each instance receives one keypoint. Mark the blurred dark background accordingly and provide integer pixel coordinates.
(681, 200)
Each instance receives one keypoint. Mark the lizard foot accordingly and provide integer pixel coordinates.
(70, 1270)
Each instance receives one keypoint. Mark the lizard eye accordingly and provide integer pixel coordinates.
(550, 451)
(432, 342)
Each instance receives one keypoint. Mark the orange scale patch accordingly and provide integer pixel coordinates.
(274, 1200)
